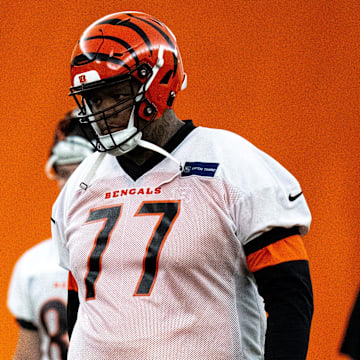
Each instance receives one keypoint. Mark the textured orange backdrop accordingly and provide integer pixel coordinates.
(283, 74)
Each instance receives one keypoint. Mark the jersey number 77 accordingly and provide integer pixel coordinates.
(167, 211)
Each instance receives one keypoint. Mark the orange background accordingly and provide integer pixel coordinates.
(283, 74)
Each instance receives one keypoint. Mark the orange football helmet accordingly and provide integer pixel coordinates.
(122, 47)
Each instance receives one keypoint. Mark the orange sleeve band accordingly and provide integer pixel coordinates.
(72, 285)
(288, 249)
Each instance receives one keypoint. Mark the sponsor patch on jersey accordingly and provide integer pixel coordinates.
(199, 169)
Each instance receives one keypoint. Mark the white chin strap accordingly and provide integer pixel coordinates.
(138, 142)
(158, 149)
(108, 141)
(129, 145)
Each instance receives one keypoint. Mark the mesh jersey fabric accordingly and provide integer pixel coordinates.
(159, 261)
(37, 294)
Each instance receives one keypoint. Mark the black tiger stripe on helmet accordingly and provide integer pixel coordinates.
(166, 37)
(132, 26)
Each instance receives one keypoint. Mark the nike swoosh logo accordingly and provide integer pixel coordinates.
(292, 198)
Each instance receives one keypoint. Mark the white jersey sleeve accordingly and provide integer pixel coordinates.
(269, 197)
(57, 231)
(59, 215)
(19, 299)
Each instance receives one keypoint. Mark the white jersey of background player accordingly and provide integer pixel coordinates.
(38, 289)
(173, 232)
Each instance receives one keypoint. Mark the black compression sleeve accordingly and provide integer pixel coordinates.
(72, 310)
(28, 325)
(287, 292)
(351, 342)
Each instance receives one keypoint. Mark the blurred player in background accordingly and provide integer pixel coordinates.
(38, 288)
(174, 235)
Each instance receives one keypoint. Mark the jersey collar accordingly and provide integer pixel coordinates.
(135, 171)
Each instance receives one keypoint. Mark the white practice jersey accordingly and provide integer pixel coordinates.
(160, 262)
(37, 298)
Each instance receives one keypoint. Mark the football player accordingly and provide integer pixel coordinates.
(38, 288)
(178, 238)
